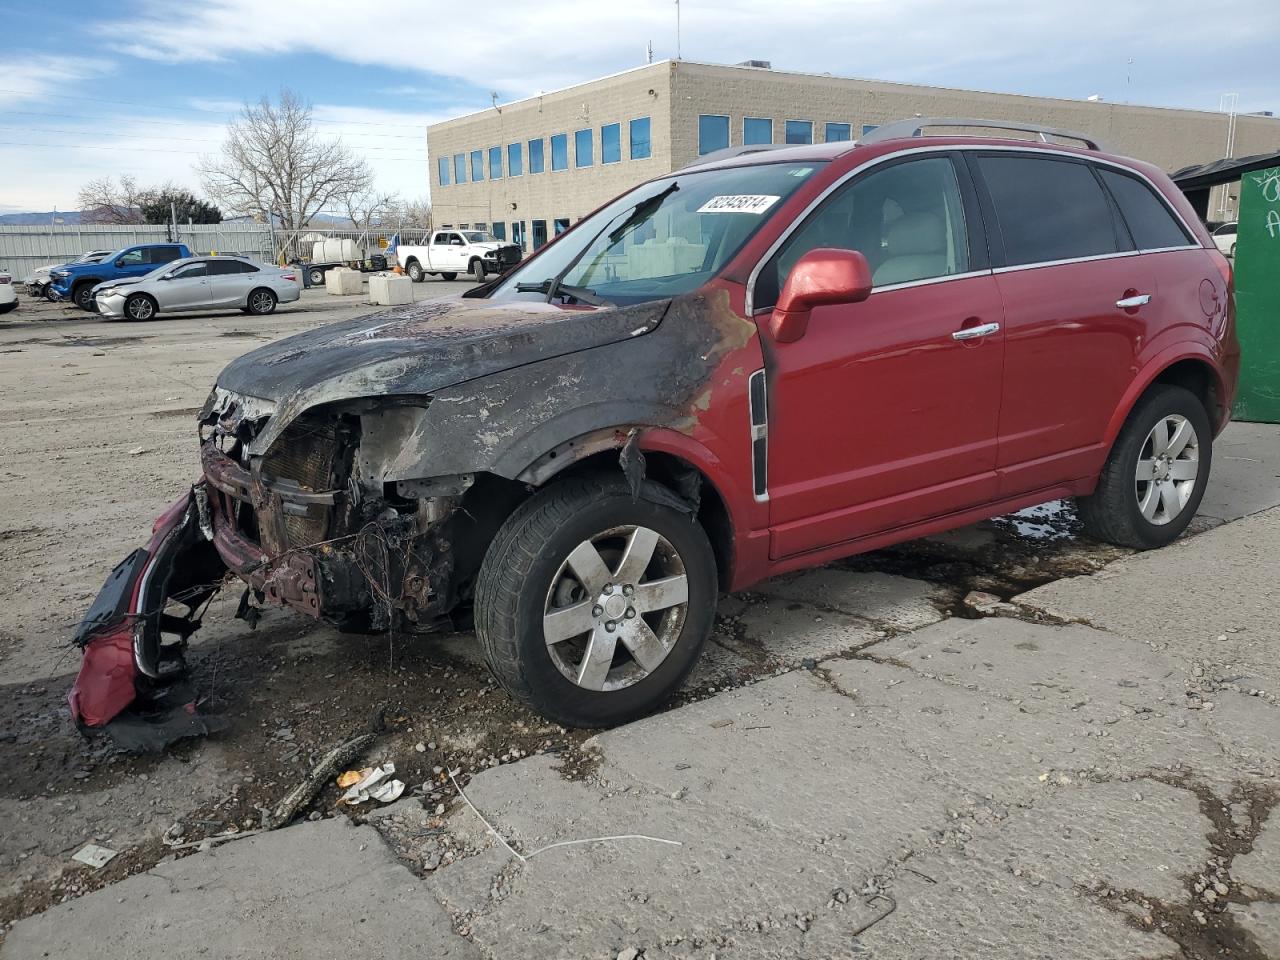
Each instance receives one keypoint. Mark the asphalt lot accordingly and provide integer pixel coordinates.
(840, 717)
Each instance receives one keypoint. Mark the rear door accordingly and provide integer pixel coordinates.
(229, 283)
(1078, 307)
(185, 288)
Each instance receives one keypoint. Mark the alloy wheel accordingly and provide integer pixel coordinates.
(1168, 465)
(262, 302)
(140, 308)
(615, 608)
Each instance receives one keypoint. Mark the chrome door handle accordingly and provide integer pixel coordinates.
(972, 333)
(1128, 303)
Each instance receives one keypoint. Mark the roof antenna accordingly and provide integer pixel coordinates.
(493, 96)
(678, 57)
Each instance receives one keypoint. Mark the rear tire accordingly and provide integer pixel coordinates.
(262, 301)
(1131, 511)
(477, 270)
(415, 271)
(527, 578)
(449, 276)
(316, 276)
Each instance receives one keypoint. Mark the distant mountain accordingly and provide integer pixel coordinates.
(39, 219)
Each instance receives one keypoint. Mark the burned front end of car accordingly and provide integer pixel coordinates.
(307, 524)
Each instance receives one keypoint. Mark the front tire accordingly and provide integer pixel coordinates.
(592, 606)
(83, 297)
(140, 307)
(477, 270)
(1156, 474)
(415, 271)
(262, 301)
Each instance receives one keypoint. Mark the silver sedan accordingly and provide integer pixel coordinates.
(198, 283)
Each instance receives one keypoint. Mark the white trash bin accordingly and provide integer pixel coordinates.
(390, 289)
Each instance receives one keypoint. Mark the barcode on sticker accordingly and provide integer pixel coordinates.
(739, 203)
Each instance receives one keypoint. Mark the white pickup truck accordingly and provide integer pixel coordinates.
(452, 252)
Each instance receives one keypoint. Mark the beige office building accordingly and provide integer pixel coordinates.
(526, 170)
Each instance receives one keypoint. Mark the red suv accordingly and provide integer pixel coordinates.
(768, 360)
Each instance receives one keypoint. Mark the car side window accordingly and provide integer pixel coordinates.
(907, 219)
(223, 268)
(440, 238)
(132, 258)
(456, 240)
(164, 254)
(244, 267)
(1048, 209)
(189, 271)
(1149, 219)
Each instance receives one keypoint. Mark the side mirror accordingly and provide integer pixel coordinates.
(821, 277)
(120, 262)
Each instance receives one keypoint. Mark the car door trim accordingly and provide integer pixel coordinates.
(1036, 151)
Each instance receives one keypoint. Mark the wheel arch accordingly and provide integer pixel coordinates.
(1194, 370)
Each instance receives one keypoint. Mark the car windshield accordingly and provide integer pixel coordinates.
(479, 236)
(664, 238)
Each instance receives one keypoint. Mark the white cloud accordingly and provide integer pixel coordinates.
(23, 79)
(551, 43)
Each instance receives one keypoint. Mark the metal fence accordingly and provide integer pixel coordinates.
(24, 248)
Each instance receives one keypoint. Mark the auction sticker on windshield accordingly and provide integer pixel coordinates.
(739, 203)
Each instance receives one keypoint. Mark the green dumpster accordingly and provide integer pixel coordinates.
(1257, 276)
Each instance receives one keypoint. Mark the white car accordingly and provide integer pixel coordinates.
(37, 281)
(8, 293)
(198, 283)
(1224, 238)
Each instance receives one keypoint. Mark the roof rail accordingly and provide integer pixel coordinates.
(728, 153)
(901, 129)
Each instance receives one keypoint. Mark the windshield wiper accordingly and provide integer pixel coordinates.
(581, 294)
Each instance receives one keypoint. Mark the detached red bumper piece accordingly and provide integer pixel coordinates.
(131, 680)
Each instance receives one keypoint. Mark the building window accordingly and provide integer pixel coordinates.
(480, 225)
(499, 230)
(868, 127)
(713, 133)
(517, 233)
(539, 234)
(535, 156)
(757, 130)
(641, 147)
(442, 168)
(561, 225)
(837, 132)
(495, 163)
(464, 226)
(583, 148)
(515, 159)
(799, 131)
(477, 165)
(560, 152)
(460, 168)
(611, 143)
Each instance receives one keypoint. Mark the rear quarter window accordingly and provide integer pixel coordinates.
(1150, 221)
(1048, 209)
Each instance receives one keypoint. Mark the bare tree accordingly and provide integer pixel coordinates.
(104, 201)
(368, 209)
(411, 213)
(275, 166)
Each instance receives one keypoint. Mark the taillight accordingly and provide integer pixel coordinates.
(5, 278)
(289, 276)
(1224, 266)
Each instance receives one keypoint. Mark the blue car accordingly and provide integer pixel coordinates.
(75, 281)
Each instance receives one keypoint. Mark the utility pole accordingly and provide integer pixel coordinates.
(678, 57)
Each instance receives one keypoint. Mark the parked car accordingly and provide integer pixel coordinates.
(8, 293)
(452, 252)
(763, 362)
(198, 283)
(75, 281)
(37, 282)
(1224, 238)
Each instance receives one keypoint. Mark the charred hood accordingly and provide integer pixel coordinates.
(418, 349)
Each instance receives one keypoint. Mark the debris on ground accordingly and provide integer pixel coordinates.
(373, 785)
(324, 770)
(94, 855)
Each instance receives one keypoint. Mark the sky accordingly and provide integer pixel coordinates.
(102, 89)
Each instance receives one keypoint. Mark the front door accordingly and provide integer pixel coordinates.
(187, 288)
(885, 412)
